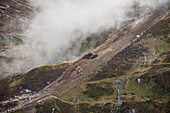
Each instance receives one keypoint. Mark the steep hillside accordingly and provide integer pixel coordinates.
(35, 80)
(128, 66)
(15, 16)
(149, 95)
(137, 57)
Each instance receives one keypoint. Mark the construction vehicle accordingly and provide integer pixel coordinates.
(79, 69)
(90, 55)
(17, 97)
(126, 27)
(135, 38)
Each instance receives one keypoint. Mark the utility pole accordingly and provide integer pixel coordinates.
(118, 92)
(76, 101)
(103, 104)
(103, 101)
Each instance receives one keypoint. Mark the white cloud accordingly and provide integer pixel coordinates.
(57, 22)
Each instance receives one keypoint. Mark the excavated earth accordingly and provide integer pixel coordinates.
(115, 49)
(120, 41)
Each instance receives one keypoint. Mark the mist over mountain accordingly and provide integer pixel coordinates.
(84, 56)
(58, 23)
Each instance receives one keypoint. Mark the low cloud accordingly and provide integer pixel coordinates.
(59, 22)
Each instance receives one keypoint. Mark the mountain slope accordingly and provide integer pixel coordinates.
(150, 95)
(121, 57)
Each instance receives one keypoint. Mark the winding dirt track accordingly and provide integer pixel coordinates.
(106, 52)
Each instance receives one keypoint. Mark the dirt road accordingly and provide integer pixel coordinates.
(106, 52)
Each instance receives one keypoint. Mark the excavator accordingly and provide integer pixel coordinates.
(79, 69)
(126, 27)
(17, 97)
(90, 55)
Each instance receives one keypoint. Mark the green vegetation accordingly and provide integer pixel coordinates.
(145, 107)
(162, 47)
(37, 78)
(58, 106)
(154, 85)
(97, 108)
(64, 107)
(98, 90)
(34, 80)
(162, 28)
(167, 59)
(111, 71)
(150, 95)
(82, 47)
(161, 32)
(95, 40)
(4, 90)
(17, 111)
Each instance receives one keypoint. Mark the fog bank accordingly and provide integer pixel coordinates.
(59, 22)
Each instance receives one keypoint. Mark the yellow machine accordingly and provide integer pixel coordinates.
(79, 69)
(90, 55)
(93, 53)
(17, 97)
(126, 26)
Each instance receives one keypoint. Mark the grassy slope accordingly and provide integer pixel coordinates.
(34, 80)
(149, 96)
(153, 91)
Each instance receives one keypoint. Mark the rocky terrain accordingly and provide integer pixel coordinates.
(15, 17)
(137, 57)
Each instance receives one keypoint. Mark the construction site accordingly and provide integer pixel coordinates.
(126, 70)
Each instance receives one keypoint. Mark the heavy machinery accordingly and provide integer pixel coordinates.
(90, 55)
(17, 97)
(79, 69)
(126, 27)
